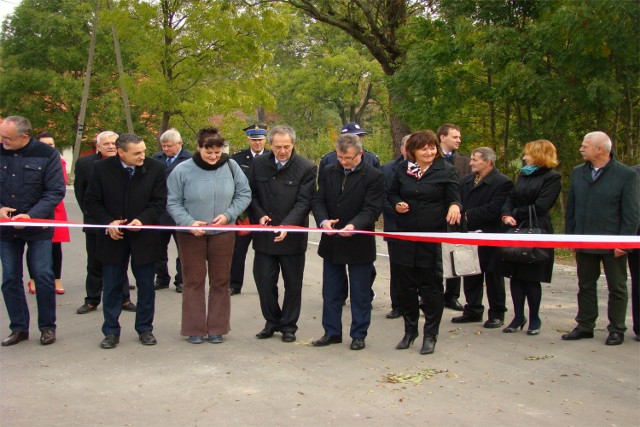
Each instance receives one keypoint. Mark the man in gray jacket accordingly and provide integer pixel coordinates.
(604, 199)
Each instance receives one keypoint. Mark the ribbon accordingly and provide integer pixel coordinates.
(574, 241)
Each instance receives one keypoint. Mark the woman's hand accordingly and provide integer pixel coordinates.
(509, 220)
(402, 207)
(220, 220)
(453, 215)
(198, 232)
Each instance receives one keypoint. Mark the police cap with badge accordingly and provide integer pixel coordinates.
(256, 131)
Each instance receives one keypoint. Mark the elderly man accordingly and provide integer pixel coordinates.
(483, 192)
(350, 197)
(282, 184)
(105, 147)
(450, 139)
(604, 199)
(256, 138)
(127, 189)
(32, 186)
(172, 154)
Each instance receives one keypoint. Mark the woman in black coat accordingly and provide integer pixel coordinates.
(426, 195)
(537, 186)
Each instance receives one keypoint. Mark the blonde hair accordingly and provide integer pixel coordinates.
(542, 152)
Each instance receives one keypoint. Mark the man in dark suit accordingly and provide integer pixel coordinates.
(256, 138)
(106, 147)
(350, 197)
(127, 189)
(172, 154)
(484, 191)
(603, 199)
(450, 139)
(389, 214)
(634, 268)
(282, 184)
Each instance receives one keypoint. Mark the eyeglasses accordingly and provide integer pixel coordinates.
(347, 158)
(9, 139)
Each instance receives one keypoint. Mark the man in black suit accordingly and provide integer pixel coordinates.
(450, 139)
(282, 184)
(350, 197)
(634, 268)
(484, 191)
(172, 154)
(105, 147)
(127, 189)
(256, 138)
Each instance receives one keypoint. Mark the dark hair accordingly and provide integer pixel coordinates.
(209, 137)
(444, 129)
(44, 135)
(124, 139)
(419, 139)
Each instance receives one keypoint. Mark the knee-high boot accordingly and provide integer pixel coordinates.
(410, 330)
(433, 308)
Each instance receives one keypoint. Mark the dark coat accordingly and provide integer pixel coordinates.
(183, 155)
(32, 182)
(460, 163)
(540, 190)
(429, 199)
(285, 196)
(355, 199)
(82, 173)
(112, 195)
(244, 159)
(389, 213)
(331, 158)
(608, 206)
(482, 209)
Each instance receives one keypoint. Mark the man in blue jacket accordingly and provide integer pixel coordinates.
(604, 199)
(32, 185)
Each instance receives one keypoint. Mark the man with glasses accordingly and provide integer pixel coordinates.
(32, 185)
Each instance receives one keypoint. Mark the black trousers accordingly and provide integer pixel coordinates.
(634, 267)
(393, 277)
(426, 282)
(452, 290)
(266, 270)
(93, 282)
(162, 263)
(238, 261)
(473, 292)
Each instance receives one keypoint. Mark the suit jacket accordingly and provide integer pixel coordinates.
(82, 172)
(113, 195)
(356, 198)
(482, 208)
(285, 196)
(183, 155)
(460, 163)
(610, 205)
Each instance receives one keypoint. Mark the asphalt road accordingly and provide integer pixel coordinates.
(476, 376)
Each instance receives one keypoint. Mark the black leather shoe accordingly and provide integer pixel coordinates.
(47, 336)
(493, 323)
(86, 308)
(179, 288)
(357, 344)
(110, 341)
(577, 334)
(15, 337)
(159, 286)
(465, 318)
(393, 314)
(614, 338)
(234, 291)
(265, 333)
(288, 337)
(454, 304)
(326, 340)
(147, 338)
(428, 344)
(638, 337)
(128, 306)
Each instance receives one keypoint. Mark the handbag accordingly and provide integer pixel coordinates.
(243, 219)
(459, 260)
(526, 255)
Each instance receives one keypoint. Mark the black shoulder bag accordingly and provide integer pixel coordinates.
(526, 255)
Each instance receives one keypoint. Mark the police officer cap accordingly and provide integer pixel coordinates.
(256, 131)
(354, 128)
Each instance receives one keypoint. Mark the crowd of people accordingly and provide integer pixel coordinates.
(430, 187)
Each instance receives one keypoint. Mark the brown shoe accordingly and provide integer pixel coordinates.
(128, 306)
(15, 338)
(48, 336)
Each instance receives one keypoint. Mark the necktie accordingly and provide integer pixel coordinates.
(280, 165)
(130, 170)
(595, 173)
(169, 160)
(449, 156)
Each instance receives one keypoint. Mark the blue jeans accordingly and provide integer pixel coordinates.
(39, 257)
(360, 281)
(112, 294)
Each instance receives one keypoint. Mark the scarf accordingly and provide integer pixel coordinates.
(197, 159)
(529, 169)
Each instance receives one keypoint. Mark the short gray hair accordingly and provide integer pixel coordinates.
(23, 125)
(486, 154)
(170, 135)
(347, 140)
(105, 134)
(600, 139)
(286, 130)
(125, 139)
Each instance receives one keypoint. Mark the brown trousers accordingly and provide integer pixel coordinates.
(210, 254)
